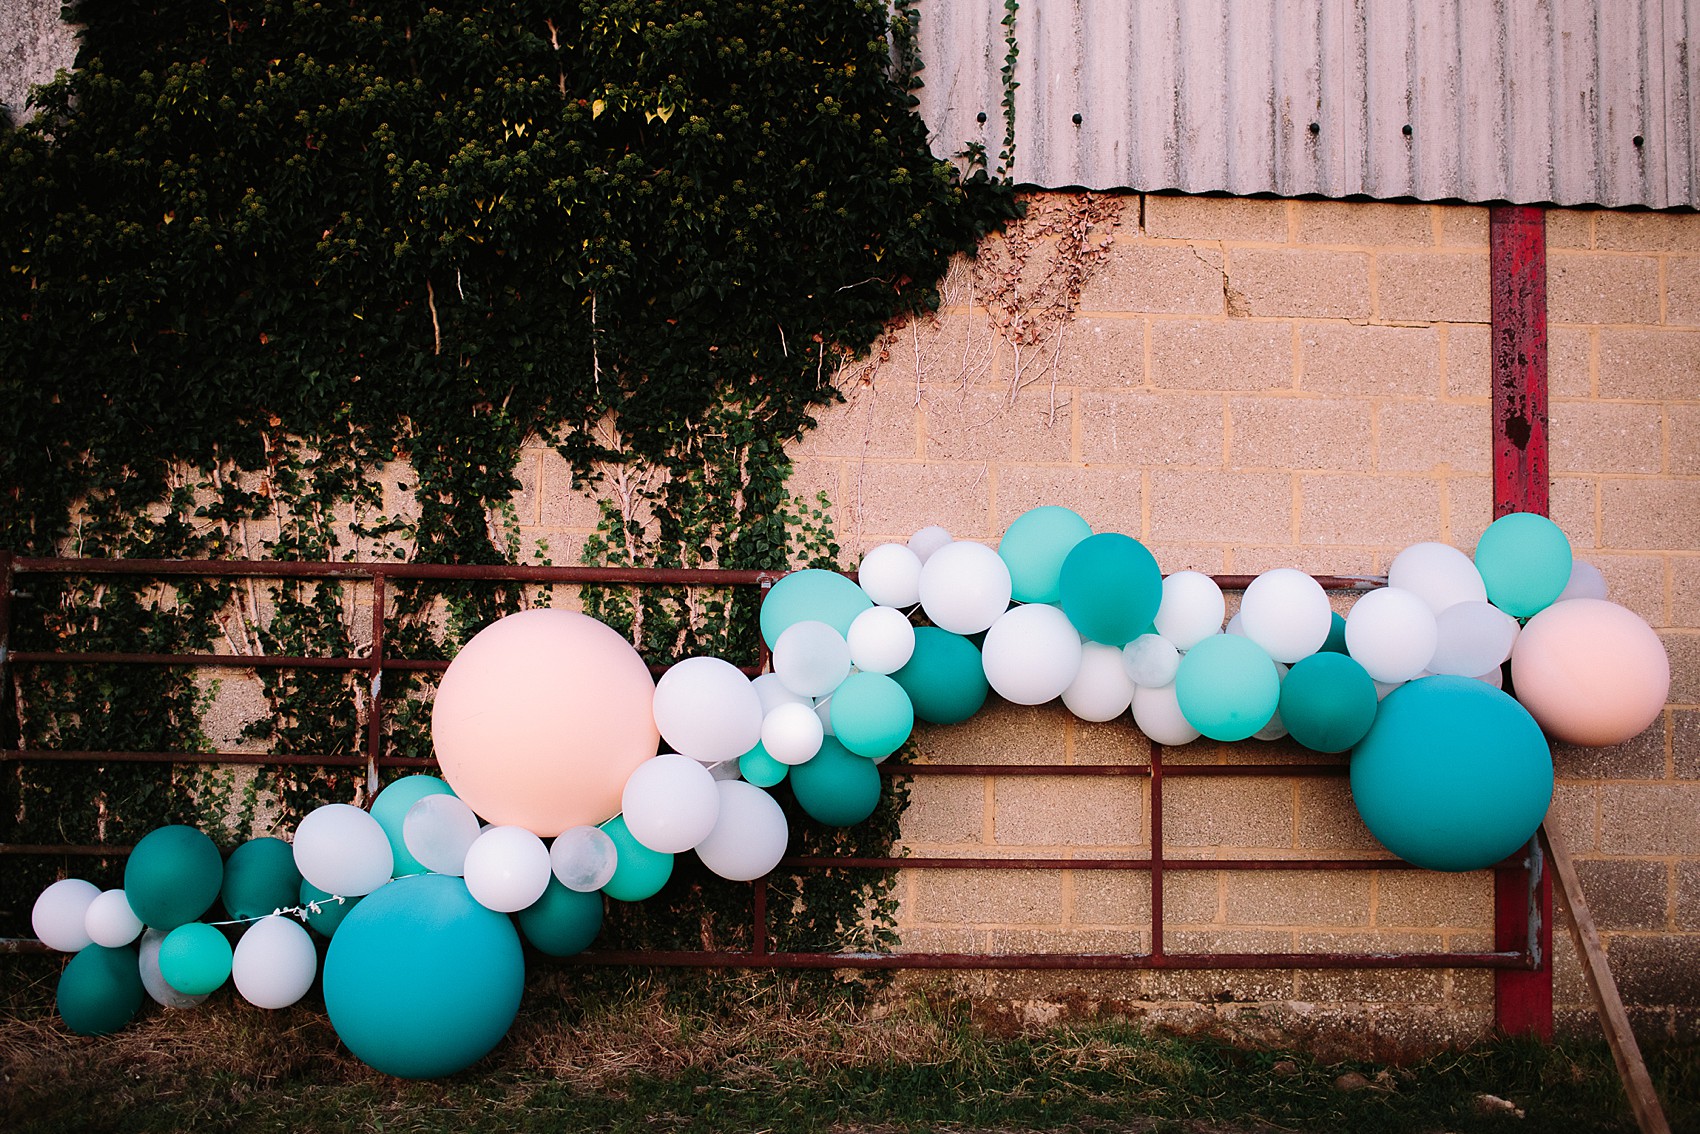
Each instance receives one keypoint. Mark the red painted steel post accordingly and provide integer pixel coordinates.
(1518, 281)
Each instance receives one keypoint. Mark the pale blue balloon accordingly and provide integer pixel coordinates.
(1034, 547)
(811, 595)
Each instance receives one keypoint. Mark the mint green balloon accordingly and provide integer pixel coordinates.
(173, 876)
(1327, 702)
(1227, 687)
(945, 677)
(100, 990)
(761, 769)
(1111, 588)
(836, 787)
(260, 878)
(195, 958)
(331, 912)
(1525, 561)
(390, 810)
(1034, 547)
(811, 595)
(562, 922)
(871, 715)
(639, 872)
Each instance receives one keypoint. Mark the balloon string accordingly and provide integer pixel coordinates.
(306, 909)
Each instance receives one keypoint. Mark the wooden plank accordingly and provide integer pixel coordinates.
(1625, 1052)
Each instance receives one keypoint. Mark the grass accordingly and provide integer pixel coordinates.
(627, 1051)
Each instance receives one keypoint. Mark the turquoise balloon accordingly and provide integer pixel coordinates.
(837, 787)
(1454, 774)
(871, 715)
(945, 677)
(173, 876)
(421, 980)
(100, 990)
(1525, 561)
(1110, 588)
(1327, 702)
(390, 810)
(1034, 547)
(758, 768)
(331, 912)
(562, 922)
(1336, 643)
(195, 958)
(260, 878)
(811, 595)
(1227, 687)
(639, 872)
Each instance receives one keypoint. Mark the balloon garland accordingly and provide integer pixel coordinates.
(547, 725)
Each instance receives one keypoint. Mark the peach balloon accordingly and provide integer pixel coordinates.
(541, 718)
(1590, 672)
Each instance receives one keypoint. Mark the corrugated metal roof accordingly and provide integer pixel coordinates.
(1568, 102)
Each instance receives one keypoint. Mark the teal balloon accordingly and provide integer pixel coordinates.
(1034, 547)
(811, 595)
(100, 990)
(260, 878)
(173, 876)
(1525, 561)
(1453, 775)
(562, 922)
(1227, 687)
(837, 787)
(761, 769)
(1111, 588)
(195, 958)
(1327, 702)
(330, 912)
(945, 677)
(421, 980)
(1336, 643)
(390, 810)
(639, 872)
(871, 715)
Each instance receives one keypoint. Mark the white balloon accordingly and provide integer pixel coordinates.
(823, 713)
(1102, 690)
(1151, 659)
(507, 868)
(1287, 613)
(882, 640)
(1391, 633)
(1031, 654)
(1585, 582)
(891, 575)
(1275, 729)
(147, 965)
(705, 708)
(771, 692)
(725, 770)
(670, 803)
(965, 587)
(60, 914)
(928, 540)
(438, 830)
(750, 835)
(1192, 609)
(1235, 626)
(110, 921)
(1439, 574)
(343, 850)
(811, 658)
(1472, 638)
(1158, 714)
(1383, 688)
(1493, 677)
(274, 962)
(792, 734)
(583, 858)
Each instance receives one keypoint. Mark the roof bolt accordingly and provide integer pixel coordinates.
(1077, 119)
(1639, 141)
(1315, 129)
(980, 117)
(1406, 130)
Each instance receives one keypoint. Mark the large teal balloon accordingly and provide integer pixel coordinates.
(812, 595)
(837, 787)
(759, 768)
(1454, 774)
(421, 980)
(330, 912)
(195, 959)
(1327, 702)
(871, 715)
(562, 922)
(945, 677)
(1111, 588)
(100, 990)
(260, 878)
(1227, 687)
(173, 876)
(639, 872)
(1525, 561)
(390, 810)
(1034, 547)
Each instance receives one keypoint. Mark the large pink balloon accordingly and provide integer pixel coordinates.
(541, 718)
(1590, 672)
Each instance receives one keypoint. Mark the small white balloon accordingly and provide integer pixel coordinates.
(1472, 638)
(1236, 626)
(891, 575)
(670, 803)
(705, 708)
(1151, 659)
(1392, 633)
(1493, 677)
(1102, 690)
(811, 658)
(1275, 729)
(771, 692)
(750, 835)
(965, 587)
(928, 540)
(882, 640)
(147, 965)
(1586, 581)
(110, 921)
(343, 850)
(60, 914)
(507, 869)
(1383, 688)
(1032, 654)
(1439, 574)
(583, 858)
(1157, 712)
(1191, 610)
(823, 713)
(1287, 613)
(274, 962)
(792, 734)
(438, 830)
